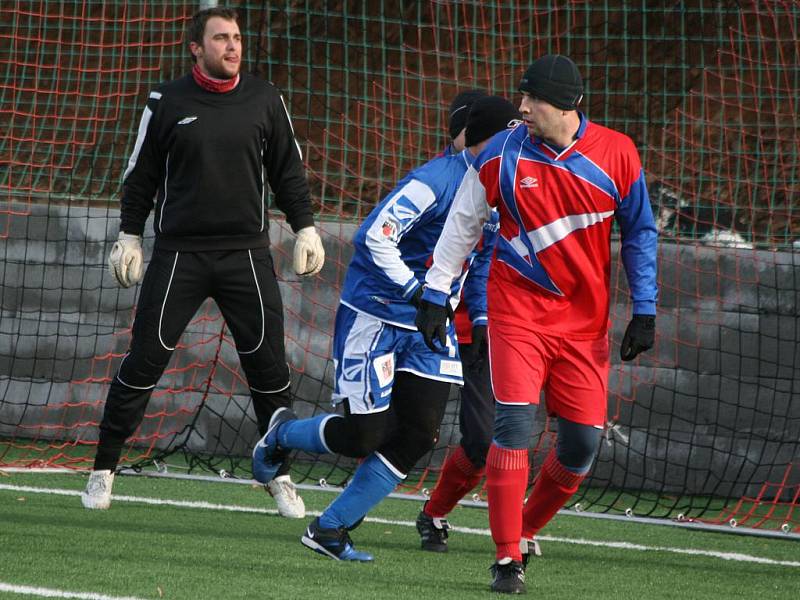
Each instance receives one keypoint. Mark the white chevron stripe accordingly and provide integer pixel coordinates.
(549, 234)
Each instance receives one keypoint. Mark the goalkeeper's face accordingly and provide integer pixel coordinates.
(220, 55)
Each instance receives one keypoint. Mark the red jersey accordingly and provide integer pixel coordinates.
(551, 269)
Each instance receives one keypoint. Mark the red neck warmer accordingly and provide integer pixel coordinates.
(219, 86)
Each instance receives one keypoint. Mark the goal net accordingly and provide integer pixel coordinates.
(706, 425)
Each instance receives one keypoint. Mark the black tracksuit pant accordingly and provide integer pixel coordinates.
(476, 417)
(244, 286)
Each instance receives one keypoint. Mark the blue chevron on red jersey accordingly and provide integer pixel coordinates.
(553, 257)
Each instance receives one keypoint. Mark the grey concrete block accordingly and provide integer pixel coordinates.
(713, 408)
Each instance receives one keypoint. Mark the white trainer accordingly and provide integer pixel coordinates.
(290, 505)
(97, 494)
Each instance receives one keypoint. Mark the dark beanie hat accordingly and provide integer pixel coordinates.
(555, 79)
(488, 116)
(459, 109)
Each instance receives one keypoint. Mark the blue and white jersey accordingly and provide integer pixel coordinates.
(394, 245)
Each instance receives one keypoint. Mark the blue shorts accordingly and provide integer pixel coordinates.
(367, 352)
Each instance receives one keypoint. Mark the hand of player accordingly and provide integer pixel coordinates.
(479, 341)
(309, 255)
(125, 260)
(431, 322)
(639, 336)
(416, 299)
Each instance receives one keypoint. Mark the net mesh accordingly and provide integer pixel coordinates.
(705, 426)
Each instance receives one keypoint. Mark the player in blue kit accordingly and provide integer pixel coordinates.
(393, 388)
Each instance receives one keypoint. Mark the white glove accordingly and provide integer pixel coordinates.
(309, 255)
(125, 260)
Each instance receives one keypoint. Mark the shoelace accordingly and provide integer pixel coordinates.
(344, 538)
(288, 489)
(516, 570)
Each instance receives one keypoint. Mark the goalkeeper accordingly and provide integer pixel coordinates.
(207, 145)
(393, 388)
(557, 182)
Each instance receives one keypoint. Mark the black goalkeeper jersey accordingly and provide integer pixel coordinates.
(205, 160)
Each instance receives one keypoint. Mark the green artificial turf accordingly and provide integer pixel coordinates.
(161, 551)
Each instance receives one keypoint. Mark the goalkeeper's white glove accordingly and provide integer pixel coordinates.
(125, 260)
(309, 255)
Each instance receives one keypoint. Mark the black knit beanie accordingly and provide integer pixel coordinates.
(488, 116)
(459, 110)
(555, 79)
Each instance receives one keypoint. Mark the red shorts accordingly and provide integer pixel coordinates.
(572, 373)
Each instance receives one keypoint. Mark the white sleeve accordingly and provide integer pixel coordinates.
(462, 232)
(398, 215)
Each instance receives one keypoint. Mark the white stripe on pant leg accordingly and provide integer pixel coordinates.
(272, 391)
(128, 385)
(260, 305)
(164, 304)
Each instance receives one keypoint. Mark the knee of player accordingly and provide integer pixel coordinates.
(264, 377)
(476, 453)
(362, 436)
(513, 424)
(143, 369)
(577, 444)
(366, 445)
(422, 438)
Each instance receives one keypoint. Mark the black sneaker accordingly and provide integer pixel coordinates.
(508, 578)
(333, 543)
(433, 532)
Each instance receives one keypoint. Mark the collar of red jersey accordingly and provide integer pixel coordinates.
(578, 134)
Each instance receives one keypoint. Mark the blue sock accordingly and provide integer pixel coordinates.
(305, 434)
(371, 483)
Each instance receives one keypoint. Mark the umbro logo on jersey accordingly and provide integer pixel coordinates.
(187, 120)
(529, 182)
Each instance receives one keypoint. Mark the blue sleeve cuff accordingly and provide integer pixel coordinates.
(480, 320)
(644, 307)
(434, 297)
(410, 288)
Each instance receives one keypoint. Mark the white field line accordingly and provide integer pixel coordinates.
(732, 556)
(51, 593)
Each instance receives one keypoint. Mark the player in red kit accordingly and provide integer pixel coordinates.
(558, 181)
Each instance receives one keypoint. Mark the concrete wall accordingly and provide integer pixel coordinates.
(714, 408)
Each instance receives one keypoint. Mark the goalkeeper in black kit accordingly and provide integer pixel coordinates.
(208, 145)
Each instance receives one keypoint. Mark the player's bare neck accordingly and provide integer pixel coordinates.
(567, 133)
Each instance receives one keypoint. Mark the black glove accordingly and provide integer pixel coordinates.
(431, 322)
(479, 341)
(417, 297)
(639, 336)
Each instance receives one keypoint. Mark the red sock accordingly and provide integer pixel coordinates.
(554, 485)
(506, 480)
(458, 477)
